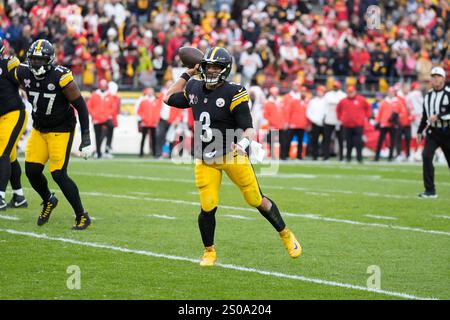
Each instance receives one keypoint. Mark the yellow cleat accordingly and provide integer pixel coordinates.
(209, 257)
(291, 243)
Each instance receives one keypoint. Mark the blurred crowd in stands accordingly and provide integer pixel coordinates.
(274, 42)
(309, 65)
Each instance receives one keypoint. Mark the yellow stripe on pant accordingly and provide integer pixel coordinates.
(53, 146)
(12, 126)
(208, 178)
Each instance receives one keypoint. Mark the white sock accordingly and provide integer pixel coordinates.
(19, 192)
(2, 194)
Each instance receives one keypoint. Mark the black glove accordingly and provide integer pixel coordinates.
(85, 140)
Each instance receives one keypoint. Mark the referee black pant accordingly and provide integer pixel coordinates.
(435, 138)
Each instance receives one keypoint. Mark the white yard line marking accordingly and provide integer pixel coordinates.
(288, 214)
(236, 217)
(225, 266)
(380, 217)
(129, 177)
(443, 216)
(290, 176)
(191, 181)
(140, 193)
(161, 216)
(316, 193)
(9, 217)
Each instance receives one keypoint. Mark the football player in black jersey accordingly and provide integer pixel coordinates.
(13, 119)
(52, 92)
(221, 113)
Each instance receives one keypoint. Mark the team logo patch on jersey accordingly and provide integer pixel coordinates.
(27, 83)
(193, 99)
(38, 84)
(51, 87)
(220, 102)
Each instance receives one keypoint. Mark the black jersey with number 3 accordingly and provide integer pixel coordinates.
(215, 112)
(52, 111)
(9, 90)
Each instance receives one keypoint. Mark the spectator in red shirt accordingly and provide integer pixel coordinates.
(404, 129)
(99, 105)
(353, 111)
(275, 114)
(296, 117)
(149, 109)
(388, 121)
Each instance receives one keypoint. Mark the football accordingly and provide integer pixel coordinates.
(190, 56)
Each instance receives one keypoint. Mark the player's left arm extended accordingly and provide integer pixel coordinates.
(73, 94)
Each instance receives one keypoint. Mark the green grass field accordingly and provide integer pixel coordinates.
(145, 243)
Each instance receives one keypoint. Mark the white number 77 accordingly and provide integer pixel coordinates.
(50, 96)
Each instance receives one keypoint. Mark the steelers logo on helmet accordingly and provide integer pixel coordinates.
(41, 57)
(216, 65)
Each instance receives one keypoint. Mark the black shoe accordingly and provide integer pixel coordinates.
(82, 222)
(49, 205)
(18, 202)
(3, 204)
(428, 195)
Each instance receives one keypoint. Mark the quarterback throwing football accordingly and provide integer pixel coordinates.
(222, 133)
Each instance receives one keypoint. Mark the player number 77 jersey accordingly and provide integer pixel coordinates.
(52, 111)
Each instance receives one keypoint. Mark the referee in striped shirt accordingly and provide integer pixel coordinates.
(436, 124)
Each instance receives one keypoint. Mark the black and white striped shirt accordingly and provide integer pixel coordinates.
(436, 103)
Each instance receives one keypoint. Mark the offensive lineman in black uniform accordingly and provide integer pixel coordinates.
(220, 110)
(52, 93)
(13, 119)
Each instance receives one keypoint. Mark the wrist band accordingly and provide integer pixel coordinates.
(244, 143)
(185, 76)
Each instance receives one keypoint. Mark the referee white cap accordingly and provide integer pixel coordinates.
(438, 71)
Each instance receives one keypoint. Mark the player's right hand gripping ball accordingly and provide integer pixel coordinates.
(190, 56)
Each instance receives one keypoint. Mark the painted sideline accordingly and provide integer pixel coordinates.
(225, 266)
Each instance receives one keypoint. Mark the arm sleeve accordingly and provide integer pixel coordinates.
(83, 115)
(445, 115)
(423, 121)
(243, 116)
(178, 100)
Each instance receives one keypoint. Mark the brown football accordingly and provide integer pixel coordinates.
(190, 56)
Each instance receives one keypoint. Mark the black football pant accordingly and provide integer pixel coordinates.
(316, 131)
(435, 138)
(109, 135)
(279, 136)
(161, 131)
(328, 133)
(100, 134)
(353, 138)
(290, 135)
(151, 131)
(403, 132)
(381, 137)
